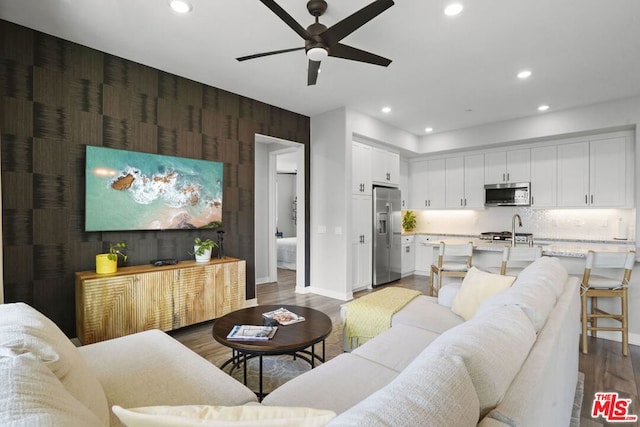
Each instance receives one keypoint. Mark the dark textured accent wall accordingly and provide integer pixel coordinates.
(58, 97)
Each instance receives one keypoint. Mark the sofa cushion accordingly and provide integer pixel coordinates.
(434, 390)
(31, 395)
(337, 385)
(151, 368)
(395, 348)
(25, 330)
(535, 301)
(447, 294)
(425, 312)
(545, 271)
(493, 346)
(476, 287)
(223, 416)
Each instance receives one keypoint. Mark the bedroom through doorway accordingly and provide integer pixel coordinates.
(279, 211)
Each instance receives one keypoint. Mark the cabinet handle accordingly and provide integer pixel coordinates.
(429, 202)
(592, 199)
(507, 176)
(532, 200)
(461, 202)
(586, 201)
(426, 203)
(503, 177)
(465, 202)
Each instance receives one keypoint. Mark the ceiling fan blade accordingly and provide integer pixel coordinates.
(275, 52)
(312, 77)
(347, 52)
(342, 29)
(292, 23)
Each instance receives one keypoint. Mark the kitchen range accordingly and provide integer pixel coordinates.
(506, 236)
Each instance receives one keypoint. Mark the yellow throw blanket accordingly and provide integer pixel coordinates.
(371, 314)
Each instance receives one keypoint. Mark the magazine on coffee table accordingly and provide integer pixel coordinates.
(283, 316)
(252, 332)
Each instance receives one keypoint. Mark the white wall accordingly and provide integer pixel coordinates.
(286, 196)
(330, 183)
(261, 215)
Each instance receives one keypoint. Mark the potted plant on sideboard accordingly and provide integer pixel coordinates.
(107, 263)
(202, 249)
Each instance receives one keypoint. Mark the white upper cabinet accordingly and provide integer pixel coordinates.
(544, 177)
(385, 167)
(404, 183)
(427, 184)
(361, 168)
(465, 182)
(454, 179)
(473, 181)
(593, 173)
(607, 172)
(507, 166)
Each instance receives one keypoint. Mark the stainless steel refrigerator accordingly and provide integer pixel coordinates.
(387, 235)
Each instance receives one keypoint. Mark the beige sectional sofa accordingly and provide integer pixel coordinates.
(515, 362)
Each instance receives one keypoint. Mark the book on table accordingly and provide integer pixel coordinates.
(252, 332)
(283, 316)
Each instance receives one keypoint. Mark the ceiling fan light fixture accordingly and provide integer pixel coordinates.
(317, 54)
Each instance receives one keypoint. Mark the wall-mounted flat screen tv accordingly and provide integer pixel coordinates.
(127, 190)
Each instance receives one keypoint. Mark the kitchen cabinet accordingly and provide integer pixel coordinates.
(427, 186)
(404, 183)
(544, 176)
(360, 168)
(593, 173)
(408, 256)
(507, 166)
(361, 241)
(424, 255)
(139, 298)
(464, 182)
(385, 167)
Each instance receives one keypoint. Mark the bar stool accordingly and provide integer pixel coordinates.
(453, 260)
(599, 286)
(518, 258)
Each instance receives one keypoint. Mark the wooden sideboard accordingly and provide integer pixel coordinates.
(146, 297)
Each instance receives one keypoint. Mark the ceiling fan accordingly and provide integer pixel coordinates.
(321, 41)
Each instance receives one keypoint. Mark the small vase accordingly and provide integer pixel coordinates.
(104, 265)
(205, 257)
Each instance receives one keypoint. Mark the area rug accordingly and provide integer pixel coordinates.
(276, 370)
(577, 401)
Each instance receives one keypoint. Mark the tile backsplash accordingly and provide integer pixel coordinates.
(588, 224)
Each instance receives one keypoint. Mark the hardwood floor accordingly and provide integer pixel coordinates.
(604, 367)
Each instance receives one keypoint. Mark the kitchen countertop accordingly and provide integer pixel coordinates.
(573, 248)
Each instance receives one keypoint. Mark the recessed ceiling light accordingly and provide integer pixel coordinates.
(543, 108)
(386, 109)
(180, 6)
(524, 74)
(428, 129)
(453, 9)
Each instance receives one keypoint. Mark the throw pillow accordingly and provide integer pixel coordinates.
(476, 286)
(240, 416)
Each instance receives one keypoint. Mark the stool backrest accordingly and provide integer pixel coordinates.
(455, 250)
(609, 260)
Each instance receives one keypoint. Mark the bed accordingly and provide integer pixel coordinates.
(287, 252)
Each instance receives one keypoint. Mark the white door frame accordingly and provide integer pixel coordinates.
(288, 147)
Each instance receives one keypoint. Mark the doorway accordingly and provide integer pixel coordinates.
(269, 240)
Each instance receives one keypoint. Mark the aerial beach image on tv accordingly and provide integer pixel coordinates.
(127, 190)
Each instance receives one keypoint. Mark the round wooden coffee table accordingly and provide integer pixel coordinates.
(294, 339)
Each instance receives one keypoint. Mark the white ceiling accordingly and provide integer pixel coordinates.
(448, 73)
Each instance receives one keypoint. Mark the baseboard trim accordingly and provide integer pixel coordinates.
(634, 339)
(331, 294)
(261, 280)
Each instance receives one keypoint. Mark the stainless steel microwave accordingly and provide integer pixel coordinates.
(508, 194)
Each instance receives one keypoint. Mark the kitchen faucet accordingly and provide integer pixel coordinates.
(513, 229)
